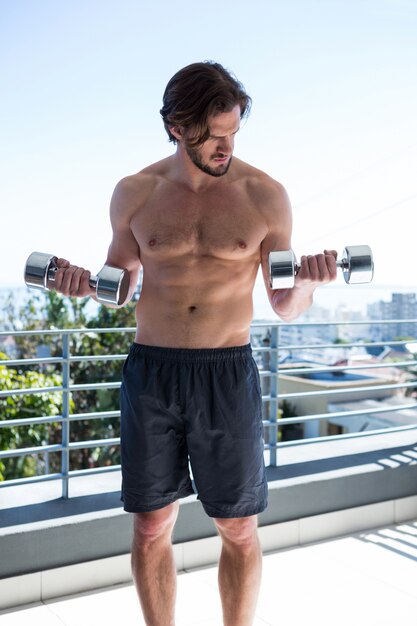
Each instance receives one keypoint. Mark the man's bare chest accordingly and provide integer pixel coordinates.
(224, 227)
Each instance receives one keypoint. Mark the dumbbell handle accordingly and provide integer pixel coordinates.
(342, 264)
(53, 268)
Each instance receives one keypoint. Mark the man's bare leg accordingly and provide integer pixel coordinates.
(153, 565)
(240, 569)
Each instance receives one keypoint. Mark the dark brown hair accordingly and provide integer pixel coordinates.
(198, 91)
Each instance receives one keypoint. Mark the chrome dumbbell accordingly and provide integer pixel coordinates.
(356, 264)
(111, 283)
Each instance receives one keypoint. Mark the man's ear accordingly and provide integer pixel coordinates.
(177, 132)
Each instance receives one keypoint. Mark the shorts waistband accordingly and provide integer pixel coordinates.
(192, 354)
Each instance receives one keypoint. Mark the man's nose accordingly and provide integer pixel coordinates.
(225, 145)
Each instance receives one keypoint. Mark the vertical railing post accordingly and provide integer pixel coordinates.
(65, 413)
(265, 380)
(273, 403)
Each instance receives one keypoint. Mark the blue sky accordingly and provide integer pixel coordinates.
(334, 99)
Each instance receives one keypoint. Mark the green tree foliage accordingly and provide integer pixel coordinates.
(100, 371)
(46, 311)
(288, 432)
(15, 407)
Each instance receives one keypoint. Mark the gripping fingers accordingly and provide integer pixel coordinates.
(326, 264)
(318, 268)
(315, 267)
(85, 287)
(66, 282)
(309, 269)
(75, 285)
(58, 276)
(327, 267)
(71, 280)
(331, 258)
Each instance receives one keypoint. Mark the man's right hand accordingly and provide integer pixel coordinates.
(71, 280)
(316, 270)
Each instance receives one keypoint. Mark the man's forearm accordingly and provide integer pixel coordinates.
(288, 304)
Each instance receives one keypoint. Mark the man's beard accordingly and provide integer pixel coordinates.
(196, 159)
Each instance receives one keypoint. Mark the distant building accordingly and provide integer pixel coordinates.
(377, 415)
(403, 306)
(365, 394)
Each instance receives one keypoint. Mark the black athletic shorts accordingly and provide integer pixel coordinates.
(203, 407)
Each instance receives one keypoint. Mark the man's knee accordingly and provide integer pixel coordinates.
(149, 527)
(240, 531)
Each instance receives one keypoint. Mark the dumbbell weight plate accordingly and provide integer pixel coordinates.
(37, 270)
(357, 265)
(282, 269)
(112, 285)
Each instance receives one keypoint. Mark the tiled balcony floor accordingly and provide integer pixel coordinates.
(366, 579)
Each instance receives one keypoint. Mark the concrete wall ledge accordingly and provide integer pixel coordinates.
(50, 547)
(89, 575)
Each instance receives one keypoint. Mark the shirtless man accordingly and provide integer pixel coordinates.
(200, 223)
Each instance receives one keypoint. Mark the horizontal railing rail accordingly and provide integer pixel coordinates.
(268, 351)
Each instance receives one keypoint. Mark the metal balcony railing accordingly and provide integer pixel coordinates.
(269, 348)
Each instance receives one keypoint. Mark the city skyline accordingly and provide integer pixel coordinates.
(333, 300)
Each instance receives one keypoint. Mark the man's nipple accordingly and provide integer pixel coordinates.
(152, 242)
(242, 244)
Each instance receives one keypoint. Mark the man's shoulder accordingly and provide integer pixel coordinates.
(271, 201)
(133, 190)
(145, 179)
(260, 185)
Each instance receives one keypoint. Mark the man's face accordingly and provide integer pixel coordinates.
(214, 156)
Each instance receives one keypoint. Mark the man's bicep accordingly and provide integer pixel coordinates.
(124, 249)
(124, 252)
(271, 243)
(278, 236)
